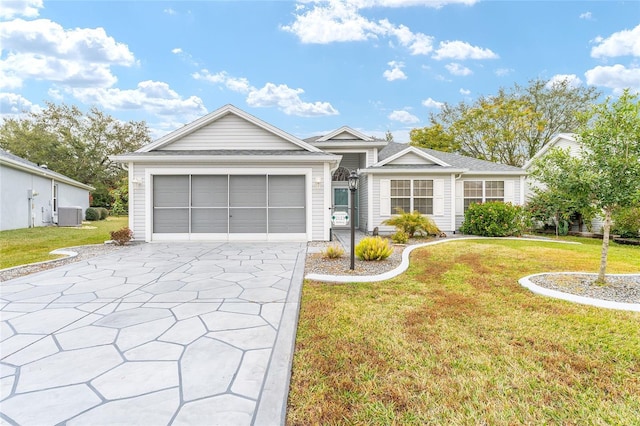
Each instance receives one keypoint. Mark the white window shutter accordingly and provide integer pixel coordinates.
(385, 197)
(438, 197)
(459, 198)
(509, 191)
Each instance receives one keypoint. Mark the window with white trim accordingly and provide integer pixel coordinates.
(412, 194)
(479, 191)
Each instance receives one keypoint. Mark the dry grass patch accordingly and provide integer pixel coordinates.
(456, 340)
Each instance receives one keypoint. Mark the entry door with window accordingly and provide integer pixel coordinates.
(342, 202)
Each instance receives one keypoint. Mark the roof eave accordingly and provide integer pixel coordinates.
(45, 173)
(218, 158)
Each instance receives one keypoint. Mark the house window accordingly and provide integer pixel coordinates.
(412, 194)
(478, 191)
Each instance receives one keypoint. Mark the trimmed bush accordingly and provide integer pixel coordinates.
(334, 251)
(413, 223)
(494, 219)
(122, 236)
(400, 237)
(104, 213)
(626, 222)
(92, 214)
(373, 248)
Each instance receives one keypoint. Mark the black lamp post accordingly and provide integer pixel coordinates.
(353, 186)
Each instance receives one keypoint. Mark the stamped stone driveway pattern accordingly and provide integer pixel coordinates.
(152, 334)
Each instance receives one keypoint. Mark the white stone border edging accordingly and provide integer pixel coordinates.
(608, 304)
(404, 264)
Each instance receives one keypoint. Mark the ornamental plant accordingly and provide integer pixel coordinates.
(92, 214)
(400, 237)
(413, 223)
(122, 236)
(495, 219)
(334, 251)
(373, 248)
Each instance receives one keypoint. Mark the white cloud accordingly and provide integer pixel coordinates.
(395, 73)
(616, 77)
(572, 79)
(280, 96)
(430, 103)
(404, 117)
(586, 15)
(235, 84)
(151, 96)
(436, 4)
(44, 50)
(55, 94)
(288, 101)
(13, 105)
(621, 43)
(176, 51)
(170, 11)
(13, 8)
(464, 91)
(501, 72)
(462, 50)
(339, 21)
(457, 69)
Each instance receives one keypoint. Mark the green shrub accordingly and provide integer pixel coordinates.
(334, 251)
(626, 222)
(495, 219)
(413, 223)
(373, 248)
(122, 236)
(400, 237)
(104, 213)
(92, 214)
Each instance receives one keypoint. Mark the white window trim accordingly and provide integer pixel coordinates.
(484, 190)
(412, 196)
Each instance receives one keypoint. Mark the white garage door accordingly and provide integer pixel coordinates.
(229, 206)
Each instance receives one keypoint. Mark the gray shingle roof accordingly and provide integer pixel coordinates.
(455, 160)
(39, 169)
(162, 153)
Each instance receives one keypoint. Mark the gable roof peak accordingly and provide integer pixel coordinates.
(345, 129)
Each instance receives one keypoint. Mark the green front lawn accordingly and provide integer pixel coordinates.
(456, 340)
(22, 246)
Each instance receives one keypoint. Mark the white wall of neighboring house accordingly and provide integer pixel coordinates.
(27, 199)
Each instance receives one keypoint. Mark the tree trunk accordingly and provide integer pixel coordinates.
(605, 246)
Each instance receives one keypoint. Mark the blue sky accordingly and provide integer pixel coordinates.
(306, 67)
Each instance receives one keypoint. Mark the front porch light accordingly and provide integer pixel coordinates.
(353, 180)
(353, 186)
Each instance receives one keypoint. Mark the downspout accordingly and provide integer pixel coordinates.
(453, 201)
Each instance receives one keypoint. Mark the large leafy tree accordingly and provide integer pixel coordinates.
(510, 126)
(606, 176)
(75, 143)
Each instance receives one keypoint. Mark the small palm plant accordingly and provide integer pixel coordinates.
(413, 223)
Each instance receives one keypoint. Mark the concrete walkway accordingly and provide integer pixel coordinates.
(181, 333)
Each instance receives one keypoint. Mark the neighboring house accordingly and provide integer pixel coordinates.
(232, 176)
(32, 195)
(565, 141)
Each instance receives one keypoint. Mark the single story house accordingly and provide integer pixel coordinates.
(232, 176)
(32, 195)
(564, 141)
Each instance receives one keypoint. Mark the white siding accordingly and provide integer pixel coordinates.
(140, 204)
(343, 136)
(231, 132)
(442, 221)
(512, 190)
(350, 160)
(410, 158)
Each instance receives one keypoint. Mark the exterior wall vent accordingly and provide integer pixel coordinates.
(70, 216)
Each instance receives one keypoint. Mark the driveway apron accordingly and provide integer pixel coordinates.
(181, 333)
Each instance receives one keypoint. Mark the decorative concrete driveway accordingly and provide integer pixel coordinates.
(153, 334)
